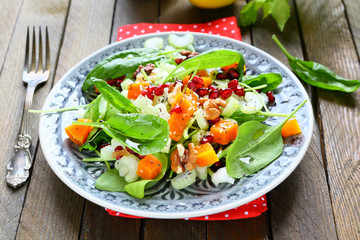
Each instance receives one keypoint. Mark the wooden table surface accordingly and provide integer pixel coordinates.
(319, 200)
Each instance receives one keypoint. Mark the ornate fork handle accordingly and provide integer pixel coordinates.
(35, 71)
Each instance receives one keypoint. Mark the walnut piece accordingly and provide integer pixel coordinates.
(212, 108)
(186, 158)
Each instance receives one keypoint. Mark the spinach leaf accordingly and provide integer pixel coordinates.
(120, 64)
(212, 59)
(137, 189)
(96, 110)
(114, 97)
(262, 143)
(94, 142)
(241, 117)
(272, 80)
(145, 134)
(318, 75)
(110, 181)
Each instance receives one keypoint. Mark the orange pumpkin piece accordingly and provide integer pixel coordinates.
(205, 155)
(202, 73)
(186, 79)
(206, 82)
(79, 133)
(135, 89)
(178, 121)
(149, 167)
(227, 68)
(224, 131)
(290, 128)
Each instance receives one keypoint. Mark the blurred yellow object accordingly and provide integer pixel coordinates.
(211, 4)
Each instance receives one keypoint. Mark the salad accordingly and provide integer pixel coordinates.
(172, 114)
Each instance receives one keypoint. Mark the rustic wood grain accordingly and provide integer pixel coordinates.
(328, 41)
(301, 206)
(159, 229)
(8, 16)
(352, 11)
(98, 223)
(57, 208)
(179, 11)
(12, 93)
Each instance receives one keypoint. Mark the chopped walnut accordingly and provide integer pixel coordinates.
(173, 94)
(188, 54)
(148, 69)
(212, 108)
(183, 157)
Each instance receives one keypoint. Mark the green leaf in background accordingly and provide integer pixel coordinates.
(318, 75)
(278, 9)
(114, 97)
(110, 181)
(137, 189)
(259, 142)
(272, 80)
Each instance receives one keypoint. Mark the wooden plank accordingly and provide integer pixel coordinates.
(52, 210)
(328, 41)
(174, 229)
(179, 11)
(102, 224)
(8, 16)
(298, 207)
(352, 11)
(254, 228)
(97, 222)
(12, 93)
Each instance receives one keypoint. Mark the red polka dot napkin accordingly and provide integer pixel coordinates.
(223, 27)
(226, 27)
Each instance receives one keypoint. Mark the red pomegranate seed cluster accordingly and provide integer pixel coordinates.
(116, 82)
(207, 139)
(270, 96)
(176, 109)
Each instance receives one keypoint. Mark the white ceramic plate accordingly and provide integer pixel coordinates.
(202, 198)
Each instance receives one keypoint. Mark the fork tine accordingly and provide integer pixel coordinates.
(47, 49)
(33, 52)
(27, 51)
(40, 62)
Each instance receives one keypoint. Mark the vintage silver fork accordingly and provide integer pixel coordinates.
(36, 70)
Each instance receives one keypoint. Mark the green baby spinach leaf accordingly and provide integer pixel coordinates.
(96, 140)
(241, 117)
(260, 142)
(110, 181)
(212, 59)
(318, 75)
(278, 9)
(97, 109)
(114, 97)
(272, 80)
(137, 189)
(145, 134)
(120, 64)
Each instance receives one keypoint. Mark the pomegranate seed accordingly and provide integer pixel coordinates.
(130, 151)
(118, 148)
(202, 92)
(240, 91)
(144, 93)
(139, 156)
(212, 122)
(207, 139)
(197, 80)
(176, 109)
(258, 90)
(270, 96)
(226, 93)
(217, 164)
(192, 86)
(179, 60)
(150, 96)
(213, 88)
(151, 88)
(233, 84)
(118, 157)
(221, 76)
(214, 94)
(111, 82)
(159, 90)
(232, 74)
(167, 84)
